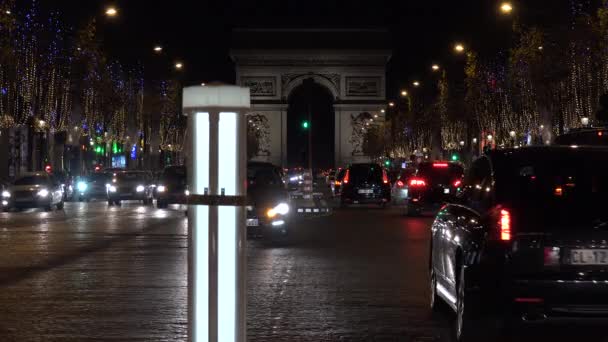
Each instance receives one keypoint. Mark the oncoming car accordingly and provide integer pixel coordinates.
(33, 190)
(130, 185)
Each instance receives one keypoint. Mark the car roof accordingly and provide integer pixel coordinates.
(553, 151)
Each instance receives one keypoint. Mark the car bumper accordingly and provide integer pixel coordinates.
(36, 203)
(129, 196)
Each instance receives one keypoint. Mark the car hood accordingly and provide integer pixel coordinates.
(264, 197)
(13, 188)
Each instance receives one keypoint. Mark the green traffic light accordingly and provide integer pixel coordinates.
(454, 157)
(305, 124)
(387, 162)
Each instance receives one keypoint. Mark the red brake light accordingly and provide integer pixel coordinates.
(337, 183)
(505, 225)
(417, 182)
(440, 165)
(457, 183)
(400, 184)
(346, 177)
(384, 177)
(600, 133)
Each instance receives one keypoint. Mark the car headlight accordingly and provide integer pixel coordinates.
(280, 209)
(43, 193)
(140, 188)
(161, 188)
(82, 186)
(112, 188)
(187, 192)
(6, 194)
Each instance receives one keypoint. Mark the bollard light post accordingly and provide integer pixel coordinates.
(216, 216)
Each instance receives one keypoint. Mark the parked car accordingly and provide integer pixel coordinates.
(433, 184)
(172, 185)
(269, 206)
(593, 136)
(93, 186)
(130, 185)
(365, 184)
(525, 240)
(33, 190)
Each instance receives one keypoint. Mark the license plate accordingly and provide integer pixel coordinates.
(252, 223)
(589, 256)
(366, 191)
(446, 191)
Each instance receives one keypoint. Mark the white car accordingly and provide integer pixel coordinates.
(399, 189)
(33, 190)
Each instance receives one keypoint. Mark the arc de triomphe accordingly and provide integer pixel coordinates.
(354, 77)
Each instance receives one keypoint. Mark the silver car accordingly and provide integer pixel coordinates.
(33, 190)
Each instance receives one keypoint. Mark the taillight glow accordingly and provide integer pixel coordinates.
(346, 177)
(384, 177)
(505, 225)
(440, 164)
(400, 184)
(600, 133)
(551, 256)
(457, 183)
(528, 300)
(337, 183)
(417, 182)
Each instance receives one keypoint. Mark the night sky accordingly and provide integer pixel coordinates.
(199, 32)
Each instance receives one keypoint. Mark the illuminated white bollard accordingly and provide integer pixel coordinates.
(216, 226)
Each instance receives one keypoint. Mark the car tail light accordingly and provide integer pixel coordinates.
(417, 182)
(441, 165)
(337, 183)
(384, 177)
(529, 300)
(400, 184)
(504, 224)
(457, 183)
(346, 177)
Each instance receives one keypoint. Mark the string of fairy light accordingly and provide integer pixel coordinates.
(37, 82)
(504, 97)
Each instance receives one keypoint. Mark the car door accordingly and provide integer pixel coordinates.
(464, 225)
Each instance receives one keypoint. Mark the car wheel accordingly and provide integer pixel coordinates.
(60, 205)
(466, 328)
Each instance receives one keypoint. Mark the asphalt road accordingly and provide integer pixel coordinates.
(92, 273)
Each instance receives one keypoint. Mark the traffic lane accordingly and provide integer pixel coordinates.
(362, 275)
(359, 274)
(93, 272)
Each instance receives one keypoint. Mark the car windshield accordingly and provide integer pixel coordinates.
(174, 174)
(556, 192)
(365, 173)
(440, 173)
(32, 180)
(263, 176)
(95, 177)
(593, 138)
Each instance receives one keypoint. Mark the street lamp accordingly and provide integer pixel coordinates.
(41, 123)
(435, 67)
(391, 104)
(382, 111)
(403, 93)
(416, 84)
(512, 134)
(158, 49)
(506, 8)
(458, 48)
(179, 65)
(111, 12)
(585, 121)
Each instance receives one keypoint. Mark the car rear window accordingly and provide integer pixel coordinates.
(563, 190)
(263, 176)
(440, 173)
(365, 173)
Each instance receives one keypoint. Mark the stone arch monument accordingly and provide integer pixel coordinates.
(350, 64)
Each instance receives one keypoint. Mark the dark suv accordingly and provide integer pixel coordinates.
(527, 239)
(433, 184)
(596, 136)
(365, 184)
(172, 185)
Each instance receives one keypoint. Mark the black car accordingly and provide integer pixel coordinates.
(525, 240)
(432, 185)
(365, 184)
(596, 136)
(172, 185)
(93, 186)
(130, 185)
(268, 207)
